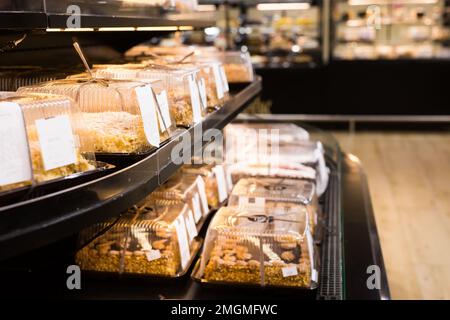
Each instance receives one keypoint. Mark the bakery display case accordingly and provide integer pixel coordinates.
(391, 29)
(148, 216)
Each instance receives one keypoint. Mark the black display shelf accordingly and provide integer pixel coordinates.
(97, 21)
(31, 224)
(16, 20)
(19, 20)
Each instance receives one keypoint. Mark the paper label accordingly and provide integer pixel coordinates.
(15, 165)
(190, 225)
(252, 202)
(229, 180)
(196, 207)
(314, 275)
(309, 238)
(164, 118)
(202, 193)
(195, 100)
(221, 183)
(202, 90)
(289, 271)
(223, 75)
(148, 113)
(218, 80)
(153, 255)
(56, 141)
(183, 243)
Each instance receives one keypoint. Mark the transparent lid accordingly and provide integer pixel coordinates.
(190, 189)
(119, 115)
(268, 248)
(215, 181)
(282, 133)
(41, 138)
(276, 170)
(150, 239)
(129, 72)
(258, 191)
(238, 66)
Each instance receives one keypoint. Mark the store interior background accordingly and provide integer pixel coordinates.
(380, 86)
(383, 94)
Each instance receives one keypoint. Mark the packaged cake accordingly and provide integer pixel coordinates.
(120, 116)
(149, 240)
(215, 181)
(263, 192)
(42, 138)
(186, 189)
(259, 248)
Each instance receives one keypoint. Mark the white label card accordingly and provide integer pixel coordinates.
(183, 243)
(221, 183)
(289, 271)
(309, 238)
(190, 225)
(148, 113)
(195, 100)
(15, 165)
(164, 119)
(252, 202)
(202, 90)
(196, 207)
(56, 141)
(218, 80)
(229, 179)
(223, 75)
(153, 255)
(202, 193)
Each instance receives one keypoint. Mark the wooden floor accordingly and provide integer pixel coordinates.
(409, 181)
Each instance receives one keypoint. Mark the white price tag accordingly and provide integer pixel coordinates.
(202, 193)
(196, 207)
(195, 100)
(56, 141)
(183, 243)
(153, 255)
(218, 80)
(229, 179)
(190, 225)
(202, 90)
(252, 202)
(314, 275)
(15, 165)
(148, 113)
(221, 183)
(309, 238)
(164, 117)
(223, 75)
(289, 271)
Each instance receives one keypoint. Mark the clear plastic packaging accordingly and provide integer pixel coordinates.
(185, 189)
(215, 181)
(266, 192)
(129, 72)
(283, 133)
(238, 66)
(260, 248)
(150, 239)
(41, 138)
(120, 116)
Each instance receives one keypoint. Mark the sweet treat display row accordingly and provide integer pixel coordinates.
(58, 126)
(265, 236)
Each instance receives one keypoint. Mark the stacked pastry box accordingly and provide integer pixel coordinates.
(235, 66)
(42, 141)
(159, 236)
(266, 234)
